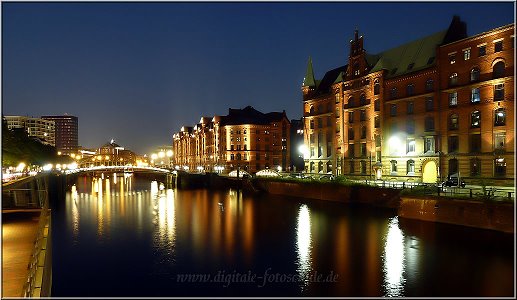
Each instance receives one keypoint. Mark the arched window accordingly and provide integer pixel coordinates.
(376, 87)
(362, 99)
(312, 167)
(351, 102)
(453, 79)
(498, 69)
(500, 117)
(393, 93)
(429, 85)
(475, 167)
(410, 89)
(410, 167)
(311, 111)
(363, 167)
(320, 167)
(393, 165)
(475, 119)
(453, 166)
(453, 122)
(474, 74)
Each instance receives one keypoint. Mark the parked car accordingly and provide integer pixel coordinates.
(327, 177)
(454, 180)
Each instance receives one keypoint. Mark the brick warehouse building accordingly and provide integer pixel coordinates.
(244, 139)
(413, 113)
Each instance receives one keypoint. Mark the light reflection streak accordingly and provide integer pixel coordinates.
(303, 242)
(75, 212)
(394, 260)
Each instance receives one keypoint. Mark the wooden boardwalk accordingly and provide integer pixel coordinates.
(19, 229)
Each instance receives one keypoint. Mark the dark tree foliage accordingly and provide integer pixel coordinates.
(18, 147)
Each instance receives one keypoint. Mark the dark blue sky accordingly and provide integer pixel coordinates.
(137, 72)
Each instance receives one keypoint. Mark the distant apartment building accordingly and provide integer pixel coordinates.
(245, 139)
(66, 128)
(43, 130)
(435, 106)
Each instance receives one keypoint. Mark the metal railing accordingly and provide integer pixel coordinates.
(23, 198)
(38, 282)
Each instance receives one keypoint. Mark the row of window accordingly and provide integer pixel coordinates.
(475, 143)
(481, 51)
(475, 96)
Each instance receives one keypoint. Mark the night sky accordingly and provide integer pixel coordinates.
(137, 72)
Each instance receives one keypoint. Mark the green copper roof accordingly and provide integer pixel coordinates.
(410, 57)
(309, 79)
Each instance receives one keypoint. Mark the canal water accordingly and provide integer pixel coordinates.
(125, 236)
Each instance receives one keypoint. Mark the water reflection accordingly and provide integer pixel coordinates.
(165, 217)
(303, 242)
(394, 260)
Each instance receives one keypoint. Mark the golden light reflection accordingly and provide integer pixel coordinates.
(394, 259)
(75, 212)
(303, 242)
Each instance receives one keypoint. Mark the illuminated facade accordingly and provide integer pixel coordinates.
(245, 139)
(109, 154)
(66, 133)
(412, 113)
(42, 129)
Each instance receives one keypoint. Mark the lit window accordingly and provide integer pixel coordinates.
(475, 97)
(453, 99)
(500, 117)
(410, 167)
(466, 54)
(429, 144)
(411, 145)
(475, 119)
(500, 167)
(500, 140)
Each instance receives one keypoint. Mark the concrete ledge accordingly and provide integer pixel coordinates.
(382, 197)
(486, 215)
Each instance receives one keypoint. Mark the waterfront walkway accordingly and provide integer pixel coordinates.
(19, 229)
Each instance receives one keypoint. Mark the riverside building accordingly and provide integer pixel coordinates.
(439, 105)
(245, 139)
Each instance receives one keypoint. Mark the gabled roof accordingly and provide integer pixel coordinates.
(410, 57)
(249, 115)
(331, 77)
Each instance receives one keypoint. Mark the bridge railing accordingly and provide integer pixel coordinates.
(39, 278)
